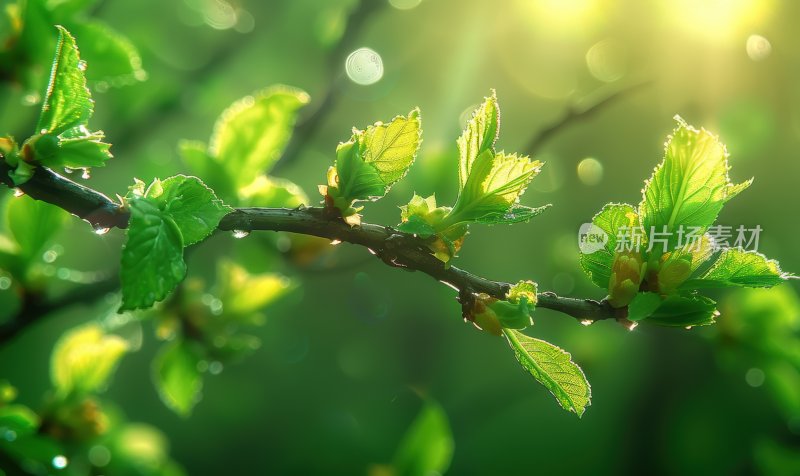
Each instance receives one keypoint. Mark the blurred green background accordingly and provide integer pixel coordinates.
(348, 358)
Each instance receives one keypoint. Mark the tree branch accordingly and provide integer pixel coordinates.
(575, 114)
(394, 248)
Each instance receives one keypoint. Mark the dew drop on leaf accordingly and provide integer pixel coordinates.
(18, 192)
(335, 242)
(587, 322)
(86, 175)
(101, 230)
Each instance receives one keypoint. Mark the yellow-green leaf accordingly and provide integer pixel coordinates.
(84, 358)
(552, 367)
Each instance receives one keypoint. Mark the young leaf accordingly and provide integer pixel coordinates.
(243, 293)
(372, 161)
(479, 136)
(32, 224)
(736, 267)
(690, 186)
(553, 368)
(84, 358)
(427, 447)
(113, 58)
(251, 134)
(152, 259)
(87, 150)
(21, 420)
(643, 305)
(596, 261)
(177, 378)
(684, 311)
(492, 190)
(192, 205)
(391, 148)
(67, 102)
(267, 191)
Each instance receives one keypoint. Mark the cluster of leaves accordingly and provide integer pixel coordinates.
(27, 37)
(660, 282)
(490, 185)
(75, 432)
(62, 137)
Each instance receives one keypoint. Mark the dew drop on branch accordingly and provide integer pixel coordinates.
(101, 230)
(18, 192)
(86, 175)
(239, 234)
(587, 322)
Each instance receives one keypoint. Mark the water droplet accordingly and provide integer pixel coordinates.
(607, 60)
(758, 48)
(364, 66)
(86, 175)
(755, 377)
(631, 325)
(5, 283)
(587, 322)
(99, 456)
(215, 367)
(590, 171)
(68, 170)
(101, 230)
(240, 233)
(60, 462)
(335, 242)
(49, 256)
(688, 328)
(31, 99)
(82, 65)
(18, 192)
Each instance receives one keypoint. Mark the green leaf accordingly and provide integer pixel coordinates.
(690, 186)
(416, 225)
(493, 188)
(87, 150)
(33, 224)
(67, 102)
(84, 358)
(553, 368)
(736, 267)
(195, 156)
(597, 260)
(19, 419)
(478, 137)
(251, 134)
(66, 8)
(684, 311)
(243, 293)
(427, 447)
(177, 378)
(113, 60)
(643, 305)
(391, 148)
(372, 161)
(192, 205)
(152, 259)
(272, 192)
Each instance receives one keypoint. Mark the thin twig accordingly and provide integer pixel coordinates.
(576, 113)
